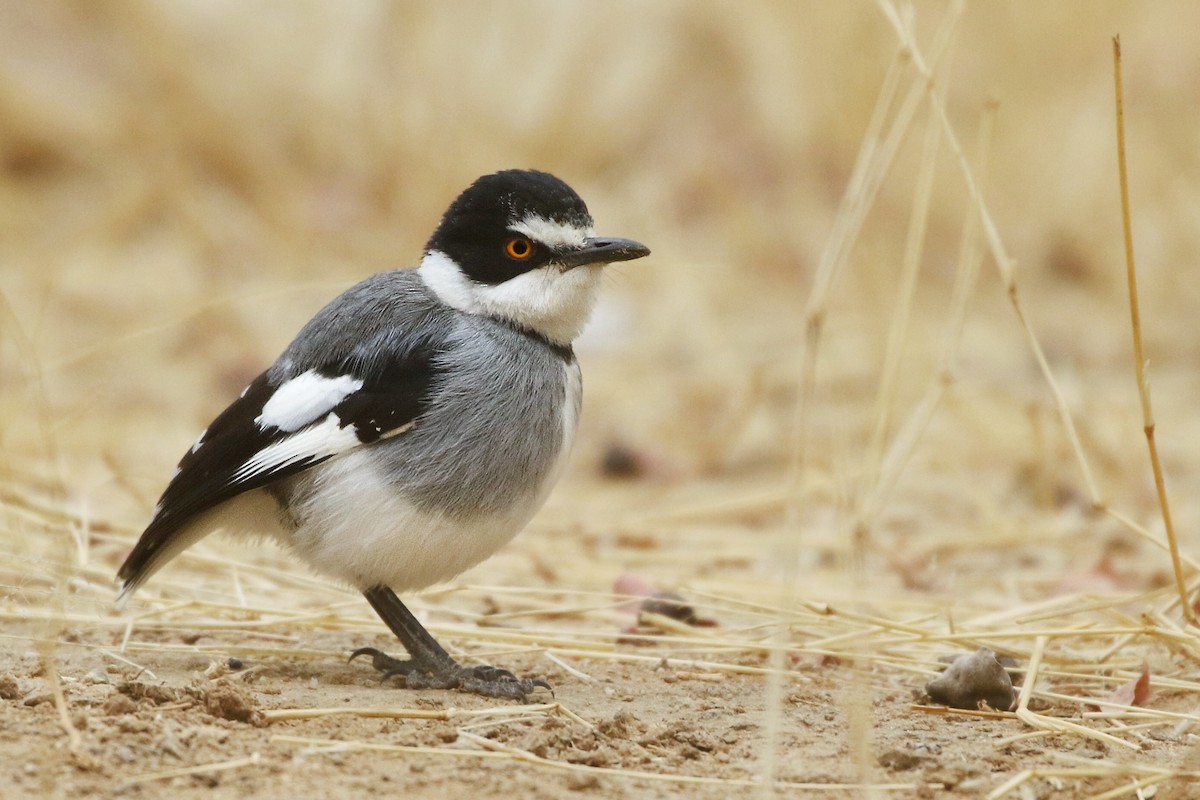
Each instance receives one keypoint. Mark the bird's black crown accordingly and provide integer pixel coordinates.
(475, 229)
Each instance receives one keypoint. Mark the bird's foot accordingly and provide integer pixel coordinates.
(481, 679)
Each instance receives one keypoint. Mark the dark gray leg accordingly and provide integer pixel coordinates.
(429, 666)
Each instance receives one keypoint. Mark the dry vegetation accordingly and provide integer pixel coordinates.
(183, 184)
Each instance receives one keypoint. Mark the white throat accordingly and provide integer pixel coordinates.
(547, 300)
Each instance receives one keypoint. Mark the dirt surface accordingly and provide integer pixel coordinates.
(671, 721)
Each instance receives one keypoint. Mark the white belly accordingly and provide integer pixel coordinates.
(358, 529)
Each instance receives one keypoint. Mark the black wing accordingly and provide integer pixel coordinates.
(278, 428)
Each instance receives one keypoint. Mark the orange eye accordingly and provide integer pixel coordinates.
(518, 248)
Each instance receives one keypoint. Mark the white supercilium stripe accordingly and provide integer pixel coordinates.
(555, 235)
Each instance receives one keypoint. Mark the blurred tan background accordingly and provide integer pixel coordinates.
(183, 184)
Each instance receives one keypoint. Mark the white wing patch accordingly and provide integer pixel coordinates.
(305, 399)
(317, 441)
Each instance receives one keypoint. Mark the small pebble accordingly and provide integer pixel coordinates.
(671, 605)
(98, 675)
(621, 461)
(972, 679)
(9, 688)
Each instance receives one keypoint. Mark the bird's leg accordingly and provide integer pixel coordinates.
(429, 666)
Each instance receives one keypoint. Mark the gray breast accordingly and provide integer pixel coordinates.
(493, 428)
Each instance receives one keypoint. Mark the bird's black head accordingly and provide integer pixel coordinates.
(511, 222)
(518, 247)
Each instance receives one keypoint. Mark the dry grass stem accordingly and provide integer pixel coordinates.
(199, 769)
(1139, 359)
(279, 714)
(1000, 255)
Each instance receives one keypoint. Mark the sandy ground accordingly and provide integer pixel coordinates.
(628, 730)
(636, 711)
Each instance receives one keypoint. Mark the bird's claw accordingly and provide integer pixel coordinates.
(481, 679)
(382, 662)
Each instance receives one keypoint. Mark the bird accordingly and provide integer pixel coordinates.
(415, 424)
